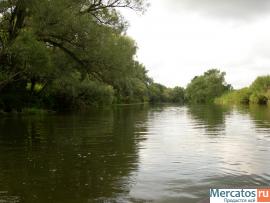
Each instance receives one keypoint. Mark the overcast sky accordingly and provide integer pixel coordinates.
(179, 39)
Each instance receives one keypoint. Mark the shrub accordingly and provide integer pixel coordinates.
(241, 96)
(70, 92)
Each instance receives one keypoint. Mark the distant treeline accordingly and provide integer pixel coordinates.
(212, 87)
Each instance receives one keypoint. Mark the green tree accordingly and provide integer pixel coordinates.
(42, 42)
(205, 88)
(260, 89)
(177, 95)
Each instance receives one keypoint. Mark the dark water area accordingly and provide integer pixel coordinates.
(132, 154)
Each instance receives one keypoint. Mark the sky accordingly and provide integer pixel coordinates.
(179, 39)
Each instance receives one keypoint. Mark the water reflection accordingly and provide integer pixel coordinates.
(261, 117)
(78, 158)
(209, 117)
(181, 159)
(161, 154)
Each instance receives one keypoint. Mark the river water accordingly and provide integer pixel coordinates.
(133, 154)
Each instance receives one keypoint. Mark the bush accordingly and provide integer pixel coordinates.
(257, 98)
(241, 96)
(69, 92)
(257, 93)
(261, 84)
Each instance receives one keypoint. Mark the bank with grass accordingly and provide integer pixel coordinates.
(257, 93)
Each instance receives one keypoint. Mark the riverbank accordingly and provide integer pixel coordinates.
(29, 111)
(257, 93)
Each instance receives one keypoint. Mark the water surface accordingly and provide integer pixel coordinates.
(133, 154)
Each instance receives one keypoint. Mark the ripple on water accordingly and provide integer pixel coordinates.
(134, 154)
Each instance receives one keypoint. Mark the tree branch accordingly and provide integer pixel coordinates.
(101, 4)
(66, 50)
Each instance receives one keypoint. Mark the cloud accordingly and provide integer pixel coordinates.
(176, 46)
(227, 9)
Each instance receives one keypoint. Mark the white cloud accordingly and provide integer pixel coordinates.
(176, 46)
(231, 9)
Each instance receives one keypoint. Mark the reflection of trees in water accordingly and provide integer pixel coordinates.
(70, 158)
(212, 117)
(259, 114)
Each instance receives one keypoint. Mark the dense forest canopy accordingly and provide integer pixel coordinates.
(67, 53)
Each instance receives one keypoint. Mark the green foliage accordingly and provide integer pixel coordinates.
(32, 56)
(205, 88)
(241, 96)
(260, 90)
(161, 94)
(261, 84)
(258, 98)
(177, 95)
(257, 93)
(157, 93)
(66, 53)
(70, 92)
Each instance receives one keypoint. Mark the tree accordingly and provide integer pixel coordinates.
(205, 88)
(177, 95)
(44, 41)
(260, 89)
(65, 25)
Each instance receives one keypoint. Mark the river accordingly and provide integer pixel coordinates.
(133, 154)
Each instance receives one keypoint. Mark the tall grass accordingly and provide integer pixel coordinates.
(257, 93)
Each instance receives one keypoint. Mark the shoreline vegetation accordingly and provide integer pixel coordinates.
(258, 93)
(209, 88)
(71, 55)
(63, 55)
